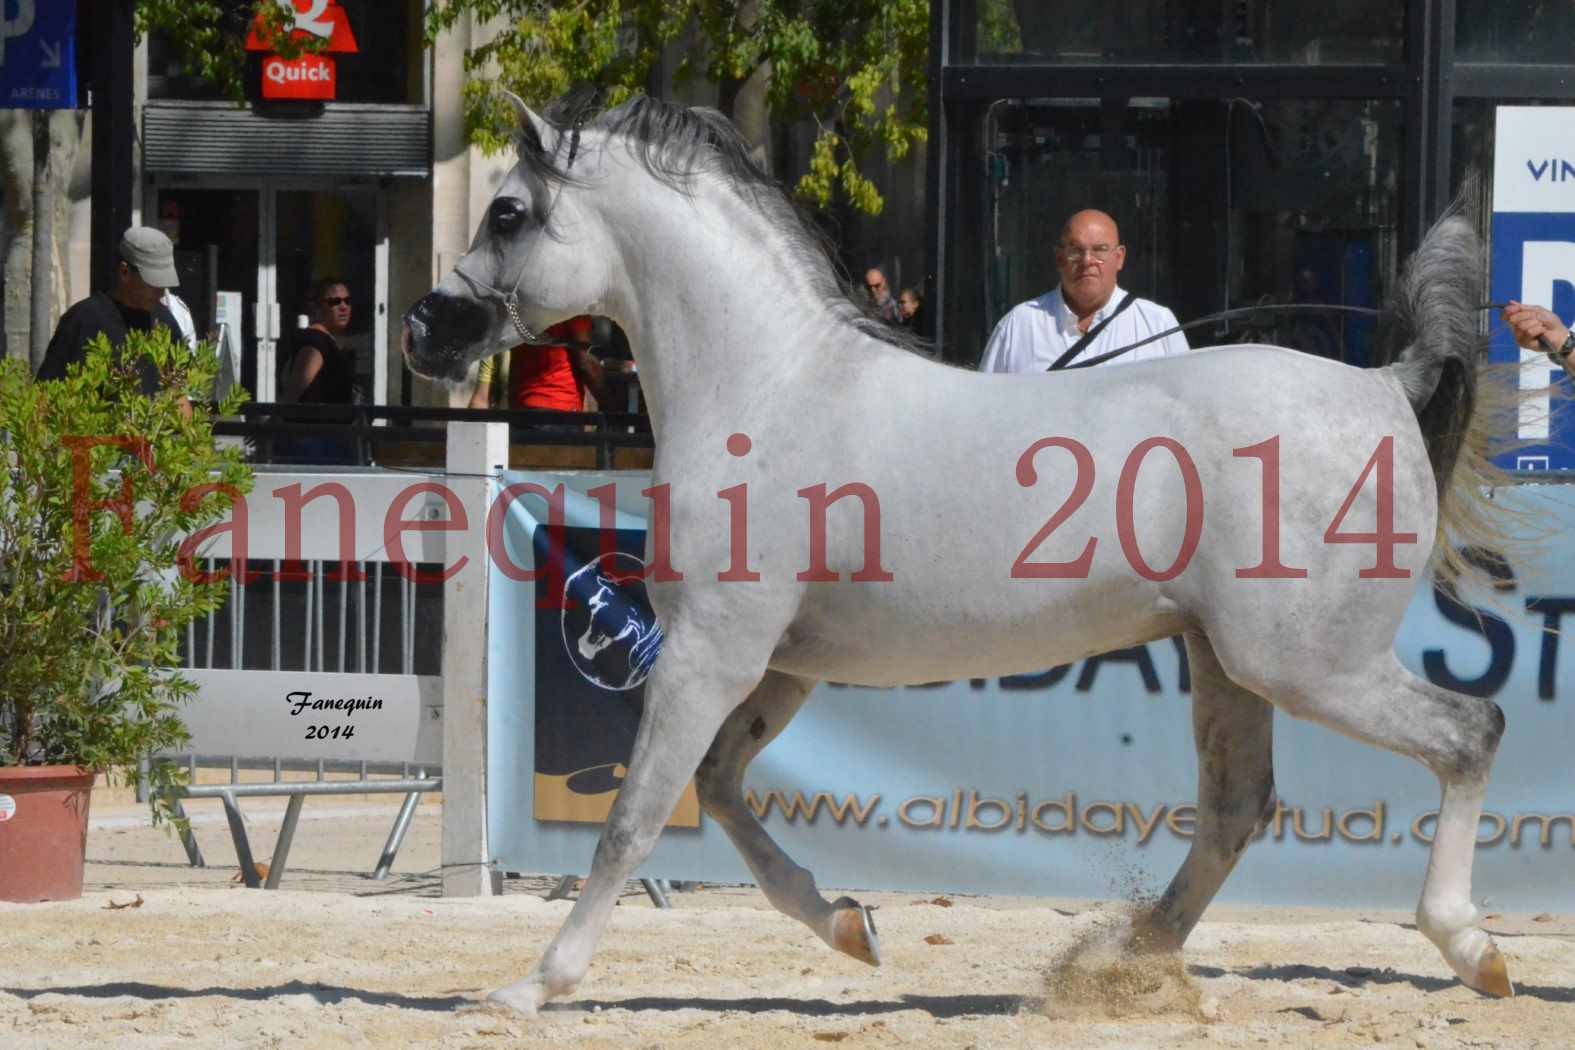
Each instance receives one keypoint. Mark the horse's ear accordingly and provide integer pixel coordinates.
(530, 123)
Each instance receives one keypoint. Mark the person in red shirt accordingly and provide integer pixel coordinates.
(551, 378)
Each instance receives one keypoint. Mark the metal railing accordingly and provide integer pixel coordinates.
(373, 433)
(316, 615)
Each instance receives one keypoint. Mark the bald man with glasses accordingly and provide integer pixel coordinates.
(1085, 316)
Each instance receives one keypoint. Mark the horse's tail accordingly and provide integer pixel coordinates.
(1441, 368)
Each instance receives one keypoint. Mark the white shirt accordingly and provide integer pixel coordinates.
(1034, 335)
(178, 307)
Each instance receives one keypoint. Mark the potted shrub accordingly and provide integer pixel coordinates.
(99, 488)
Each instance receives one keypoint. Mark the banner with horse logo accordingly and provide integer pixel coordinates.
(594, 640)
(1078, 781)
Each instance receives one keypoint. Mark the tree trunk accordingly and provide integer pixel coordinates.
(16, 166)
(22, 192)
(43, 241)
(745, 102)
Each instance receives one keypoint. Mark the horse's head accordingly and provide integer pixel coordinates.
(538, 257)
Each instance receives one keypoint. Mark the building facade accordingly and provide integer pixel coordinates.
(1252, 150)
(375, 186)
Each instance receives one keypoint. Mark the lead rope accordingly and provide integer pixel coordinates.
(1251, 311)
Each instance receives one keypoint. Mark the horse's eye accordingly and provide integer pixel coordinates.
(507, 214)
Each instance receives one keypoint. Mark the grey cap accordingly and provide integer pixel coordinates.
(151, 252)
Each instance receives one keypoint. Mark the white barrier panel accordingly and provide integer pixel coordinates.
(1078, 781)
(350, 516)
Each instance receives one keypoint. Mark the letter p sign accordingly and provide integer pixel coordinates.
(1547, 268)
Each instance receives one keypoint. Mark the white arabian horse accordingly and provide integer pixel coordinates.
(999, 524)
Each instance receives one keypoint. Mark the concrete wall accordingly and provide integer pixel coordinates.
(463, 180)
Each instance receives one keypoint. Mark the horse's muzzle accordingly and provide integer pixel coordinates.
(442, 335)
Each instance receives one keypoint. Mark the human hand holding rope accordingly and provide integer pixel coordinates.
(1538, 329)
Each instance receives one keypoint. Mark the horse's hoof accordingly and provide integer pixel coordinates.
(524, 996)
(1492, 975)
(853, 931)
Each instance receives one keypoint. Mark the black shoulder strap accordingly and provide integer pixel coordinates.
(1090, 335)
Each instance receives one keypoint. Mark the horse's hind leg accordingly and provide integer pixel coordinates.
(1456, 737)
(843, 924)
(1232, 730)
(687, 698)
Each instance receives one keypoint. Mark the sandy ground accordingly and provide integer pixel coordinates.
(335, 959)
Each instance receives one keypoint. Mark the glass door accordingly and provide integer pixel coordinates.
(336, 236)
(254, 248)
(217, 233)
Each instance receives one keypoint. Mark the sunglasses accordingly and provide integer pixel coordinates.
(335, 300)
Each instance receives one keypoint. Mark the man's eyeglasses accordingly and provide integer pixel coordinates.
(875, 286)
(335, 300)
(1098, 253)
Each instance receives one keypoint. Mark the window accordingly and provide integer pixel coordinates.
(1201, 31)
(1515, 31)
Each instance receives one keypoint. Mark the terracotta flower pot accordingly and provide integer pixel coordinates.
(43, 832)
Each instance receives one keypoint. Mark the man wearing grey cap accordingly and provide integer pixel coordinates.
(145, 270)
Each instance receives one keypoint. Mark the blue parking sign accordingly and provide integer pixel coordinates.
(1534, 262)
(38, 54)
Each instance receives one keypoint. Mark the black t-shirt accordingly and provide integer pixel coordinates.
(101, 313)
(141, 320)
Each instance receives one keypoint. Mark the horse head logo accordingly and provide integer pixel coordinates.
(609, 631)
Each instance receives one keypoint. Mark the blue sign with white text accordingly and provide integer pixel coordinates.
(38, 54)
(1534, 262)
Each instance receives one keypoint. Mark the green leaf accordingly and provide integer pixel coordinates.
(859, 69)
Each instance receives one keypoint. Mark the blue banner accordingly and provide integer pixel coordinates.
(1077, 781)
(38, 60)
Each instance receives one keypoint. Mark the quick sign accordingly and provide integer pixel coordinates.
(311, 76)
(1534, 261)
(38, 63)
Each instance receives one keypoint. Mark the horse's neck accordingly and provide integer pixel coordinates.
(713, 304)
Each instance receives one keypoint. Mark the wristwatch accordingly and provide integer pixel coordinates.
(1565, 347)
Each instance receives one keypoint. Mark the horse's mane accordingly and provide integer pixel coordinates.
(674, 144)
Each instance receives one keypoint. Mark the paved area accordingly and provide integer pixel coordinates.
(338, 841)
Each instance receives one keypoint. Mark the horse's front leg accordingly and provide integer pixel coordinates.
(1233, 731)
(687, 697)
(843, 924)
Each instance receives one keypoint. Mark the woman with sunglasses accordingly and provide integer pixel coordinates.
(322, 372)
